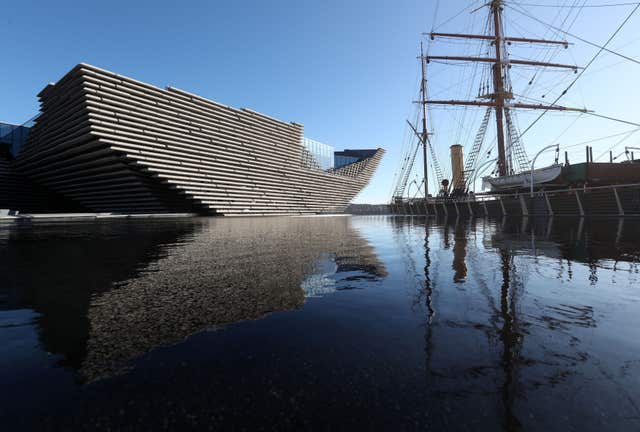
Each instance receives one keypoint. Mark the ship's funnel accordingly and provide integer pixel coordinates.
(457, 168)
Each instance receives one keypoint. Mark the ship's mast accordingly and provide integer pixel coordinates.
(500, 95)
(425, 136)
(498, 86)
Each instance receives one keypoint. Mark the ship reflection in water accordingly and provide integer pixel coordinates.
(315, 323)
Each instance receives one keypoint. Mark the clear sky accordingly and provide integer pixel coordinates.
(345, 69)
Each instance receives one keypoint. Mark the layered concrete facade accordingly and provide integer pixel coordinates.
(113, 144)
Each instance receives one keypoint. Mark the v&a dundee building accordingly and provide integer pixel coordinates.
(103, 142)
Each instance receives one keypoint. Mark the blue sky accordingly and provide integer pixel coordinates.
(344, 69)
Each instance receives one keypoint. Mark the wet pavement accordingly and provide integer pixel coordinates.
(322, 323)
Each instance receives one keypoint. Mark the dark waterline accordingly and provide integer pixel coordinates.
(365, 322)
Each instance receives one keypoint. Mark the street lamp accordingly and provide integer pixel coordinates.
(409, 192)
(409, 188)
(626, 150)
(533, 162)
(479, 170)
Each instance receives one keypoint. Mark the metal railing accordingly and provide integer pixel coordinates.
(525, 198)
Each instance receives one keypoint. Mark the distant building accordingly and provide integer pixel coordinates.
(109, 143)
(12, 137)
(346, 157)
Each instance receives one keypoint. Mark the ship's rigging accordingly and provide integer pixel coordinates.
(512, 157)
(495, 63)
(495, 92)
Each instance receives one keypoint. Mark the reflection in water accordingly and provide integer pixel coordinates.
(133, 289)
(511, 340)
(459, 252)
(518, 372)
(200, 285)
(401, 323)
(58, 270)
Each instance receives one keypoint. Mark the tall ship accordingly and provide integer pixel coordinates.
(106, 143)
(497, 159)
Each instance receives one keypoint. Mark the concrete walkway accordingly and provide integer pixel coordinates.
(4, 217)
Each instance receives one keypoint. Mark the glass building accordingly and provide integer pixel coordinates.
(341, 161)
(14, 136)
(322, 154)
(347, 157)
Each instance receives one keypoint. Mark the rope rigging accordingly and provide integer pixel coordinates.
(574, 7)
(490, 80)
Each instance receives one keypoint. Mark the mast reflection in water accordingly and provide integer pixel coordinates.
(364, 322)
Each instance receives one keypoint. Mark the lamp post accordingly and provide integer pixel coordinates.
(479, 170)
(409, 189)
(533, 162)
(626, 150)
(409, 192)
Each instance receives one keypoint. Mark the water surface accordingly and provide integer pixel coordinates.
(365, 322)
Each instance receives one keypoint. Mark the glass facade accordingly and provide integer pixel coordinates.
(346, 157)
(14, 135)
(322, 154)
(341, 161)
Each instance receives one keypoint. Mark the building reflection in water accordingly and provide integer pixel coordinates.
(480, 324)
(108, 293)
